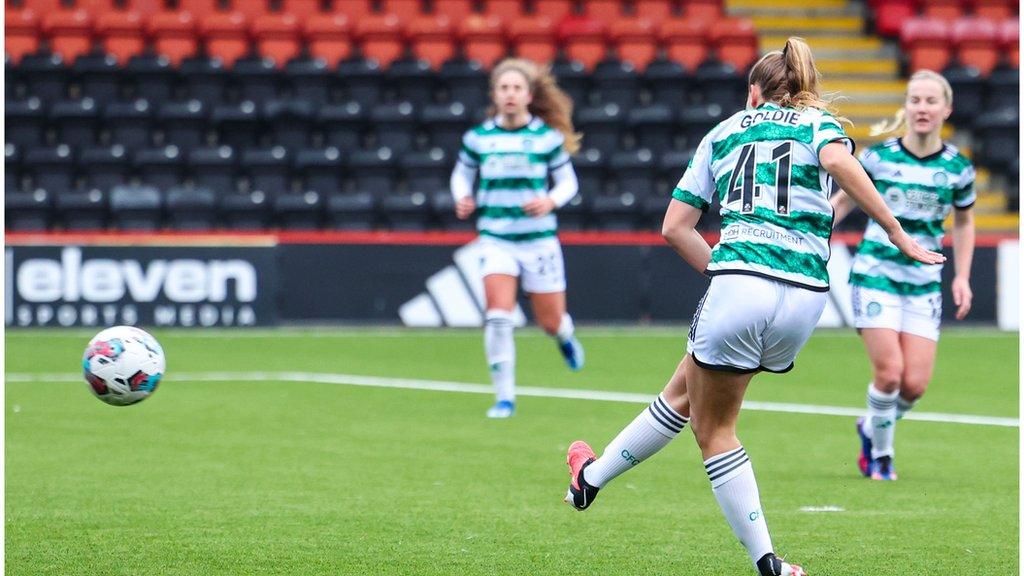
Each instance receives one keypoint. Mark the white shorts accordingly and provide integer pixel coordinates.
(749, 323)
(918, 315)
(537, 263)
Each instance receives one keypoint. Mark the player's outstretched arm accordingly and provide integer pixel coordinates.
(963, 254)
(680, 231)
(851, 177)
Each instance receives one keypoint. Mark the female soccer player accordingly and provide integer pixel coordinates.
(897, 302)
(771, 166)
(527, 138)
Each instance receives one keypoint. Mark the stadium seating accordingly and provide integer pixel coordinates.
(926, 44)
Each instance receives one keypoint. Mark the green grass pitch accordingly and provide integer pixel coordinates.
(269, 477)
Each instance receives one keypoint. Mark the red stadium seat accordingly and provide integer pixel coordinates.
(533, 37)
(686, 41)
(891, 14)
(483, 39)
(122, 34)
(225, 35)
(22, 33)
(251, 9)
(1009, 41)
(456, 10)
(583, 40)
(554, 9)
(353, 9)
(948, 10)
(95, 8)
(40, 6)
(976, 42)
(635, 40)
(736, 42)
(606, 11)
(994, 9)
(702, 10)
(404, 9)
(329, 37)
(654, 10)
(431, 39)
(926, 43)
(507, 10)
(380, 37)
(302, 8)
(198, 8)
(174, 35)
(70, 33)
(277, 37)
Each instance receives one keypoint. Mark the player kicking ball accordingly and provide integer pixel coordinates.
(772, 166)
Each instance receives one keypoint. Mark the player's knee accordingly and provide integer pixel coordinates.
(913, 387)
(888, 376)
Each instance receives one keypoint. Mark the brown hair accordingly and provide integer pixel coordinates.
(898, 123)
(789, 77)
(550, 103)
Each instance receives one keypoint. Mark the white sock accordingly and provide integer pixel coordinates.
(882, 415)
(500, 349)
(565, 329)
(903, 406)
(649, 432)
(735, 488)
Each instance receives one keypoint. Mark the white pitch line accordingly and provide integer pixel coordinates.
(567, 393)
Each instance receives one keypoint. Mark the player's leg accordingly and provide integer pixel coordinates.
(715, 399)
(883, 349)
(655, 426)
(919, 338)
(499, 343)
(544, 279)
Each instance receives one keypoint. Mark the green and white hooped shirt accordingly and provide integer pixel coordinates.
(920, 192)
(763, 166)
(513, 166)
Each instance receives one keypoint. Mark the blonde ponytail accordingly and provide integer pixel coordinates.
(549, 103)
(789, 78)
(898, 122)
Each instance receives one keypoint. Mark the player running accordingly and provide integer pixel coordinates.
(527, 139)
(770, 166)
(897, 302)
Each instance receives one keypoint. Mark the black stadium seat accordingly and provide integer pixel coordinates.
(615, 82)
(465, 81)
(191, 209)
(373, 171)
(28, 211)
(343, 125)
(618, 212)
(601, 127)
(98, 77)
(129, 124)
(322, 169)
(426, 171)
(969, 91)
(310, 80)
(204, 79)
(82, 210)
(237, 125)
(250, 211)
(394, 126)
(184, 124)
(591, 166)
(159, 167)
(45, 76)
(268, 169)
(302, 211)
(405, 211)
(353, 211)
(412, 80)
(652, 127)
(104, 168)
(51, 169)
(361, 80)
(256, 79)
(25, 122)
(76, 122)
(445, 124)
(634, 172)
(290, 121)
(12, 167)
(151, 77)
(213, 168)
(136, 208)
(668, 83)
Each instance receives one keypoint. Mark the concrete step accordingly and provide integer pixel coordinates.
(861, 111)
(851, 43)
(830, 26)
(877, 69)
(786, 4)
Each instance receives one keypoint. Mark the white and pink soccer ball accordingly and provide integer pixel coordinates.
(123, 365)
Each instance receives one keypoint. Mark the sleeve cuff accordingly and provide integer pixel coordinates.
(691, 199)
(849, 143)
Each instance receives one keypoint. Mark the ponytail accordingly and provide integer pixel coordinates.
(790, 78)
(549, 103)
(898, 122)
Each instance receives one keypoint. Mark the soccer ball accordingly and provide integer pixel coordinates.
(123, 365)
